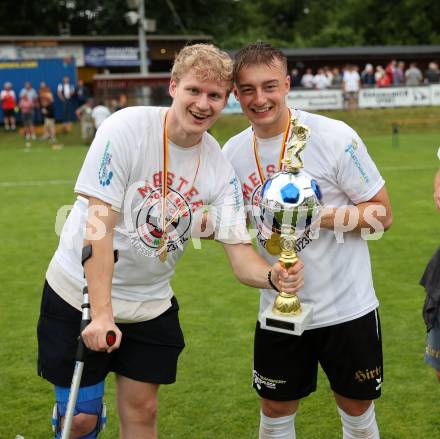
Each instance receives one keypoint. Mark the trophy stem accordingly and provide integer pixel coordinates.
(287, 304)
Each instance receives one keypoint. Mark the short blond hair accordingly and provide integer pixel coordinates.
(206, 61)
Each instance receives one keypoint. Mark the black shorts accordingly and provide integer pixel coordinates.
(350, 353)
(10, 112)
(148, 351)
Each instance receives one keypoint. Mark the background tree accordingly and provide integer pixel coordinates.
(232, 23)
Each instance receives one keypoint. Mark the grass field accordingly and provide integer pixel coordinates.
(213, 397)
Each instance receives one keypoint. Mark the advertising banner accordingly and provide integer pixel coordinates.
(49, 52)
(435, 94)
(316, 99)
(394, 97)
(107, 56)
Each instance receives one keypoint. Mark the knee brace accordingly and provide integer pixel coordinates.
(363, 426)
(89, 401)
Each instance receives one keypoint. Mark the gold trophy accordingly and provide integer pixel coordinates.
(290, 201)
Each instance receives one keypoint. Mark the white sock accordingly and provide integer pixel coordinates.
(279, 428)
(357, 427)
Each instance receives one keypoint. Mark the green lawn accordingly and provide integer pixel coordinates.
(213, 397)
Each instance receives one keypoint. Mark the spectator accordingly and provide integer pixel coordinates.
(118, 104)
(99, 114)
(81, 93)
(328, 73)
(114, 105)
(432, 74)
(66, 92)
(84, 114)
(389, 70)
(46, 99)
(351, 83)
(295, 78)
(30, 92)
(367, 76)
(413, 76)
(32, 96)
(382, 79)
(337, 78)
(320, 80)
(307, 79)
(9, 103)
(27, 116)
(399, 74)
(123, 101)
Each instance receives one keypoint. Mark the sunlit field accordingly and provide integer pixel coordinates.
(213, 397)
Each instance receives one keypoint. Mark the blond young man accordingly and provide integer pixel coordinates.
(148, 173)
(344, 334)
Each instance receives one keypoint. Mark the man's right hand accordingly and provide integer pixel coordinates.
(95, 335)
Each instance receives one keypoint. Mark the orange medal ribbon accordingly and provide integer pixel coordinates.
(283, 149)
(162, 246)
(273, 244)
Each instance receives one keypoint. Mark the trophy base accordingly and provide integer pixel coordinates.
(293, 325)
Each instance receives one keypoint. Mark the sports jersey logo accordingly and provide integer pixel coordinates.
(375, 374)
(269, 383)
(148, 222)
(351, 150)
(105, 175)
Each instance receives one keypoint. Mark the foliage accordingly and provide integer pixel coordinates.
(232, 23)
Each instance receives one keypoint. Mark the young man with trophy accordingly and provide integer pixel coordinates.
(312, 191)
(149, 173)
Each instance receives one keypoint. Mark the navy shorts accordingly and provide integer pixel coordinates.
(350, 353)
(148, 352)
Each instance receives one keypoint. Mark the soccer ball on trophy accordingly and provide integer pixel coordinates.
(289, 200)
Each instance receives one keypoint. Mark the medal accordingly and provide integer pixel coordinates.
(273, 244)
(162, 249)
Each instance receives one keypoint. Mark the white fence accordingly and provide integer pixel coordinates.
(332, 99)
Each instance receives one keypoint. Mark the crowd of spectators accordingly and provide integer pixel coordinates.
(350, 80)
(33, 108)
(393, 74)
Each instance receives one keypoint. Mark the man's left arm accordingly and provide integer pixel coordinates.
(367, 215)
(252, 269)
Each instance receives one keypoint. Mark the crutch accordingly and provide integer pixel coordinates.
(81, 350)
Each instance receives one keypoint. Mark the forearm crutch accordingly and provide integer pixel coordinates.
(81, 350)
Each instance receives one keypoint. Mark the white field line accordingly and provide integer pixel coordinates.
(30, 184)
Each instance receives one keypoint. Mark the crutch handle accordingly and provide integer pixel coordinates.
(110, 338)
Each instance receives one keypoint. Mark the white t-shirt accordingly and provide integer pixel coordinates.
(438, 153)
(67, 90)
(321, 81)
(337, 276)
(123, 167)
(307, 80)
(351, 80)
(99, 114)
